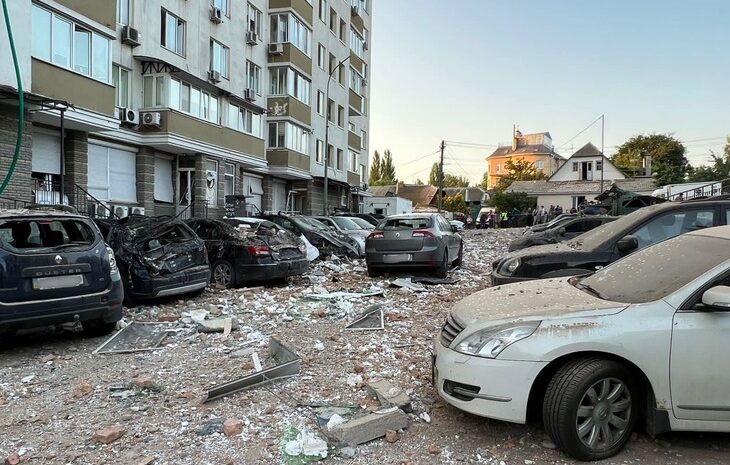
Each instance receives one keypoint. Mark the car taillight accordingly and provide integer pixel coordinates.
(258, 250)
(422, 234)
(376, 235)
(112, 260)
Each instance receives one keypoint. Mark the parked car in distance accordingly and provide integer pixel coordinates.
(594, 355)
(457, 224)
(242, 251)
(606, 244)
(372, 218)
(362, 223)
(56, 268)
(323, 238)
(157, 256)
(346, 226)
(560, 219)
(414, 240)
(573, 227)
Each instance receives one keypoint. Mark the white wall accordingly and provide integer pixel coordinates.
(566, 173)
(564, 200)
(19, 13)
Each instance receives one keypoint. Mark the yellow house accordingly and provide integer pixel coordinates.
(536, 148)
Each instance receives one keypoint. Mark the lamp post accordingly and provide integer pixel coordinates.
(326, 135)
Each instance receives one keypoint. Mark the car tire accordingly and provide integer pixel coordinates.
(460, 258)
(98, 328)
(374, 273)
(443, 270)
(590, 408)
(223, 274)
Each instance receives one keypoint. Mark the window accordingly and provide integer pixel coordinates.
(333, 63)
(341, 75)
(219, 58)
(323, 10)
(343, 30)
(173, 33)
(223, 6)
(673, 224)
(364, 105)
(192, 100)
(499, 167)
(363, 139)
(340, 116)
(284, 134)
(355, 81)
(287, 81)
(599, 166)
(120, 80)
(357, 43)
(254, 19)
(351, 127)
(253, 77)
(353, 161)
(112, 174)
(244, 120)
(330, 155)
(339, 159)
(123, 12)
(330, 110)
(539, 164)
(320, 102)
(229, 178)
(211, 181)
(333, 20)
(153, 91)
(319, 156)
(575, 167)
(363, 180)
(164, 191)
(288, 28)
(60, 41)
(321, 54)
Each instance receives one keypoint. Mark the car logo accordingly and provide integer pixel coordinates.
(58, 259)
(397, 234)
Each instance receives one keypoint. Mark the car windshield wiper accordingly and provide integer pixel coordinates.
(590, 290)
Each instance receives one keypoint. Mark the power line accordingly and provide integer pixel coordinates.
(470, 144)
(416, 159)
(581, 132)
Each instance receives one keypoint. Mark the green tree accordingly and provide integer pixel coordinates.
(507, 201)
(450, 180)
(455, 203)
(518, 170)
(419, 182)
(668, 158)
(485, 181)
(433, 176)
(375, 169)
(387, 170)
(718, 169)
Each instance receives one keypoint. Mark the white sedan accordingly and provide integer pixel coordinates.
(594, 355)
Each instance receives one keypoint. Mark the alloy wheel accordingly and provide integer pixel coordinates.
(222, 274)
(604, 414)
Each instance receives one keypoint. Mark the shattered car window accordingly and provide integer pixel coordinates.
(395, 224)
(347, 224)
(42, 233)
(657, 271)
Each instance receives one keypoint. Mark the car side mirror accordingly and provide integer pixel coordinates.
(717, 298)
(454, 228)
(627, 244)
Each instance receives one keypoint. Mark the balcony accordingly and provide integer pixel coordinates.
(355, 103)
(63, 84)
(354, 141)
(291, 107)
(288, 158)
(294, 56)
(302, 7)
(104, 12)
(353, 179)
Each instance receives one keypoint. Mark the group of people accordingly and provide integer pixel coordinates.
(541, 215)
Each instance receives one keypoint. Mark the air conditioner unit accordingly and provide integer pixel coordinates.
(136, 211)
(120, 211)
(101, 211)
(252, 38)
(153, 118)
(216, 15)
(130, 36)
(249, 95)
(128, 116)
(214, 76)
(276, 49)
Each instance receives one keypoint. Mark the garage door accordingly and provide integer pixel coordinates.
(112, 174)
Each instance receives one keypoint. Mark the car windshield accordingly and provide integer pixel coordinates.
(45, 233)
(362, 223)
(596, 238)
(346, 223)
(657, 271)
(314, 224)
(393, 224)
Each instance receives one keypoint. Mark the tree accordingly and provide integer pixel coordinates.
(668, 158)
(455, 203)
(718, 170)
(387, 170)
(419, 182)
(518, 170)
(507, 201)
(450, 180)
(374, 177)
(485, 181)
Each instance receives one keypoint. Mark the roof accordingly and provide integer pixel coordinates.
(419, 195)
(581, 187)
(588, 150)
(535, 149)
(470, 194)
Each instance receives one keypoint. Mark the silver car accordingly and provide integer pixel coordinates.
(347, 227)
(416, 240)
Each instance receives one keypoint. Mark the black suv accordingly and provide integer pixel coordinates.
(56, 268)
(606, 244)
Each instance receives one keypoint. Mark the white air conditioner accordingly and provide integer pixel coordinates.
(153, 118)
(120, 211)
(276, 49)
(128, 116)
(249, 95)
(130, 36)
(101, 211)
(136, 211)
(216, 15)
(252, 38)
(214, 76)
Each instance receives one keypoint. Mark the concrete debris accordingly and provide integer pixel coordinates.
(217, 325)
(109, 434)
(12, 459)
(82, 388)
(371, 319)
(407, 283)
(389, 395)
(372, 426)
(391, 436)
(148, 460)
(354, 380)
(425, 417)
(144, 382)
(335, 421)
(212, 426)
(345, 295)
(303, 444)
(232, 427)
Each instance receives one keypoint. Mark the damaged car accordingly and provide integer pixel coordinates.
(640, 343)
(242, 251)
(348, 227)
(157, 256)
(328, 242)
(567, 230)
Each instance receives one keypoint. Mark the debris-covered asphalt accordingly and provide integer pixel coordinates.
(62, 404)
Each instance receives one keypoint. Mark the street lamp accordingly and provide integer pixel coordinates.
(326, 136)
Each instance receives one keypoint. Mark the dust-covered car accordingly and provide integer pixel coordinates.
(157, 256)
(327, 241)
(348, 227)
(560, 232)
(56, 268)
(242, 251)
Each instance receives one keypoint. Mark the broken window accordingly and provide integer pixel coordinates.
(45, 233)
(407, 223)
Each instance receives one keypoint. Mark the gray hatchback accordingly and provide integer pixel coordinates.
(415, 240)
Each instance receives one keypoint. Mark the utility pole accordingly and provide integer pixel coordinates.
(603, 124)
(441, 176)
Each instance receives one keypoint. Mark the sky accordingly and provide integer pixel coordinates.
(467, 70)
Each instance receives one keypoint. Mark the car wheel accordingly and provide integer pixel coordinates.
(589, 408)
(223, 274)
(460, 258)
(373, 272)
(97, 328)
(443, 270)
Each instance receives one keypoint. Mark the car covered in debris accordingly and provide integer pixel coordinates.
(157, 256)
(641, 339)
(327, 241)
(56, 268)
(558, 220)
(569, 229)
(348, 227)
(242, 251)
(424, 240)
(607, 243)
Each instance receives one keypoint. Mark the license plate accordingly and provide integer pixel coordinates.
(397, 258)
(57, 282)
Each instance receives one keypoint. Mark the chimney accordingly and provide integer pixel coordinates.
(514, 137)
(398, 186)
(646, 163)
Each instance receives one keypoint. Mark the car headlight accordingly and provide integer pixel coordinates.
(509, 266)
(490, 342)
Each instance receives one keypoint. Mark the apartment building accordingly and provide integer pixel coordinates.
(171, 106)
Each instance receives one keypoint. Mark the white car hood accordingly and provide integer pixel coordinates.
(544, 299)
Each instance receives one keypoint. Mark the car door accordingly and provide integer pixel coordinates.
(699, 366)
(674, 223)
(448, 236)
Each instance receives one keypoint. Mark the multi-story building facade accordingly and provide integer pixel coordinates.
(173, 105)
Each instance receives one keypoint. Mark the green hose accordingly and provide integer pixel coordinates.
(21, 101)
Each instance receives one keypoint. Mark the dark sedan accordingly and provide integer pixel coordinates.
(416, 240)
(246, 251)
(560, 232)
(606, 244)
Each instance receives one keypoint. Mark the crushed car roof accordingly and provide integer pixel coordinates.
(37, 212)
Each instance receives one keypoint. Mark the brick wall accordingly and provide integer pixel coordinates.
(19, 185)
(146, 179)
(267, 200)
(76, 162)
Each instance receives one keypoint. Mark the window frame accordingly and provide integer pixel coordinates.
(246, 120)
(229, 177)
(225, 6)
(120, 11)
(181, 23)
(319, 152)
(223, 61)
(117, 71)
(258, 20)
(251, 66)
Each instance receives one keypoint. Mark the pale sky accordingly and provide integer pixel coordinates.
(466, 70)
